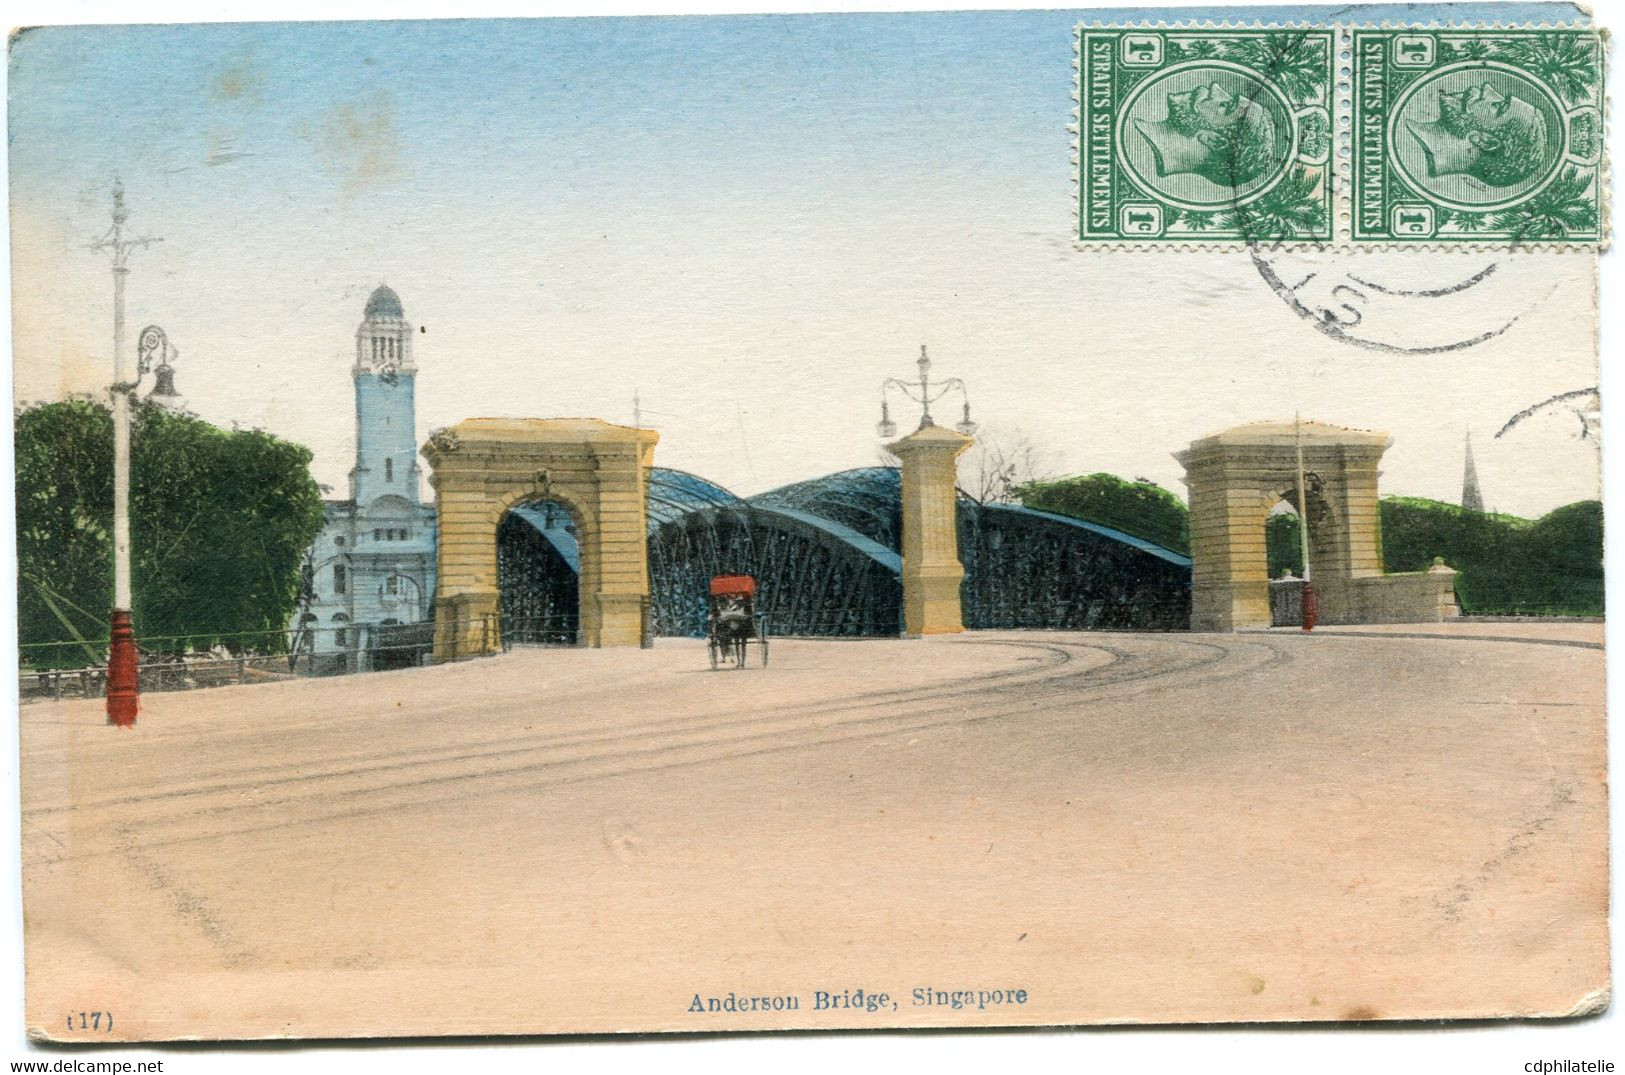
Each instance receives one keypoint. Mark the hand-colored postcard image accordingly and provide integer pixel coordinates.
(739, 523)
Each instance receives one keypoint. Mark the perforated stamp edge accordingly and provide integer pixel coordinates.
(1339, 174)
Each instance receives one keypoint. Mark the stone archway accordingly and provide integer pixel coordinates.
(600, 472)
(1237, 476)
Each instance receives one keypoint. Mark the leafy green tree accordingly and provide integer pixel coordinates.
(219, 521)
(1564, 549)
(1140, 508)
(64, 530)
(1508, 565)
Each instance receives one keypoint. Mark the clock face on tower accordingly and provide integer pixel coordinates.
(388, 373)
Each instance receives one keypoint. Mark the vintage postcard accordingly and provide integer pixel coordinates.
(736, 523)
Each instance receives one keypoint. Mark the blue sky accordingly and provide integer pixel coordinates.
(684, 112)
(751, 220)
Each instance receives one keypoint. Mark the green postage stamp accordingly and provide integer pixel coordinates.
(1391, 136)
(1477, 135)
(1204, 135)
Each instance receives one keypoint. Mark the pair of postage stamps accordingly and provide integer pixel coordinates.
(1318, 136)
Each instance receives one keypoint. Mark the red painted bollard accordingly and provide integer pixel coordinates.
(1311, 608)
(123, 693)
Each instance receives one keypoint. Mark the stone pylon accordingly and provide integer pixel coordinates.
(1237, 476)
(931, 568)
(596, 471)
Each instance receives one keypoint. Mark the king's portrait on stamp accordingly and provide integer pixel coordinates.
(1483, 136)
(1204, 135)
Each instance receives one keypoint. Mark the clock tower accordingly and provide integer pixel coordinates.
(386, 458)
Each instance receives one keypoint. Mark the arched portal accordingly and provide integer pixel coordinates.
(1323, 530)
(1237, 477)
(598, 472)
(539, 574)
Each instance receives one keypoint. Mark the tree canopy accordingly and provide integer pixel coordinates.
(219, 520)
(1139, 508)
(1509, 565)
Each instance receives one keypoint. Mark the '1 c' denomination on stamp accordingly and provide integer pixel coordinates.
(1473, 136)
(1204, 135)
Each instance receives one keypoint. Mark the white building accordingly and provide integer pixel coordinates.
(372, 566)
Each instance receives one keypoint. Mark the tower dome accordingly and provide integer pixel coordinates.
(383, 340)
(384, 303)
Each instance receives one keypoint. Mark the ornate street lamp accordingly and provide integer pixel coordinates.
(925, 394)
(153, 355)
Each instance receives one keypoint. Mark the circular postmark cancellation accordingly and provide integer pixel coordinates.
(1207, 135)
(1390, 302)
(1478, 136)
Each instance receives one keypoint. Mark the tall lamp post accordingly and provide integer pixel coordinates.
(924, 393)
(1311, 608)
(122, 699)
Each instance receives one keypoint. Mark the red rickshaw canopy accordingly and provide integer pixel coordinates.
(733, 584)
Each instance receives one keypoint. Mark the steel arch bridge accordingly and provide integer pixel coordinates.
(825, 553)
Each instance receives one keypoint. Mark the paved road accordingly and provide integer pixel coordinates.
(1127, 826)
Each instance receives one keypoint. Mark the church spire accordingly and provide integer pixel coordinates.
(1471, 498)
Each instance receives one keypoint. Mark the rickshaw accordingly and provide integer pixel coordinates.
(731, 621)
